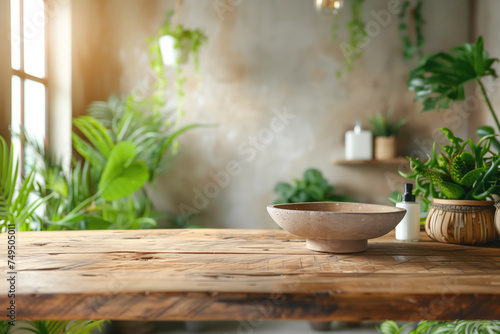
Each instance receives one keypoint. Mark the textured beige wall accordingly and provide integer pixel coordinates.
(264, 57)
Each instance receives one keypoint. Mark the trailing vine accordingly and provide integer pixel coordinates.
(187, 42)
(410, 28)
(412, 39)
(357, 35)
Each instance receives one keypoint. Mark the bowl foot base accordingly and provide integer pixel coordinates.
(337, 246)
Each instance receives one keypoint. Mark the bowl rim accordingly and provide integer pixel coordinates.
(395, 208)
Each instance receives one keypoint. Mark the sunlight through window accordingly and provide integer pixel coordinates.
(29, 82)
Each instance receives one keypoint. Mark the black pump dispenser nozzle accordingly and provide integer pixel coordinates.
(408, 195)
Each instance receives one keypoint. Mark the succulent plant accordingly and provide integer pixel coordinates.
(465, 170)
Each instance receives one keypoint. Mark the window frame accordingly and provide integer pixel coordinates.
(23, 76)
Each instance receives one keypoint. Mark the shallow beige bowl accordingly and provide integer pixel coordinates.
(336, 227)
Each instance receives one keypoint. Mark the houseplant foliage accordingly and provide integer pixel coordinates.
(385, 131)
(449, 327)
(412, 39)
(383, 126)
(124, 144)
(56, 327)
(465, 170)
(15, 205)
(187, 43)
(441, 78)
(312, 188)
(357, 34)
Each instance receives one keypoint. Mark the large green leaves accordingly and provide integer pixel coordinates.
(439, 79)
(484, 131)
(97, 144)
(122, 175)
(132, 120)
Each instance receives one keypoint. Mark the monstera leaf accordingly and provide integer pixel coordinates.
(439, 79)
(122, 175)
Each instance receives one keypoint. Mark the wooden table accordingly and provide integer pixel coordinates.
(226, 274)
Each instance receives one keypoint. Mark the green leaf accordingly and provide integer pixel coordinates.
(312, 176)
(122, 176)
(96, 223)
(451, 190)
(441, 78)
(389, 327)
(484, 131)
(96, 133)
(315, 193)
(66, 327)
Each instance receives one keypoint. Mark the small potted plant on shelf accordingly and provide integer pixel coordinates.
(385, 131)
(462, 182)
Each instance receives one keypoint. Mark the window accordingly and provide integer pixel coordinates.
(29, 72)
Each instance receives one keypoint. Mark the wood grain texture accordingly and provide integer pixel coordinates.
(225, 274)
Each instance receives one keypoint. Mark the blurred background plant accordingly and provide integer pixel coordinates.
(383, 125)
(54, 327)
(440, 79)
(410, 27)
(312, 188)
(186, 43)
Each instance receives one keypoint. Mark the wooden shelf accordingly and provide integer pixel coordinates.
(394, 161)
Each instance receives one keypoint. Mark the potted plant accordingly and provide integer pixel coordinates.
(172, 45)
(177, 43)
(440, 79)
(462, 182)
(385, 131)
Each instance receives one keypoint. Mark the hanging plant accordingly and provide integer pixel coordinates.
(357, 35)
(410, 29)
(173, 45)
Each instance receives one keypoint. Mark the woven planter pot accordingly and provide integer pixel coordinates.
(461, 222)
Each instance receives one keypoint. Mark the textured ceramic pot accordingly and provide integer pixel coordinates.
(336, 227)
(385, 148)
(461, 222)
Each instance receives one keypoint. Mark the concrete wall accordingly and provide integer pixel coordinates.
(264, 58)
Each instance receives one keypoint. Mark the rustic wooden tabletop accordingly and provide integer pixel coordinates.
(228, 274)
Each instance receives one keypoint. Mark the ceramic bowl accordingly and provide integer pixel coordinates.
(336, 227)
